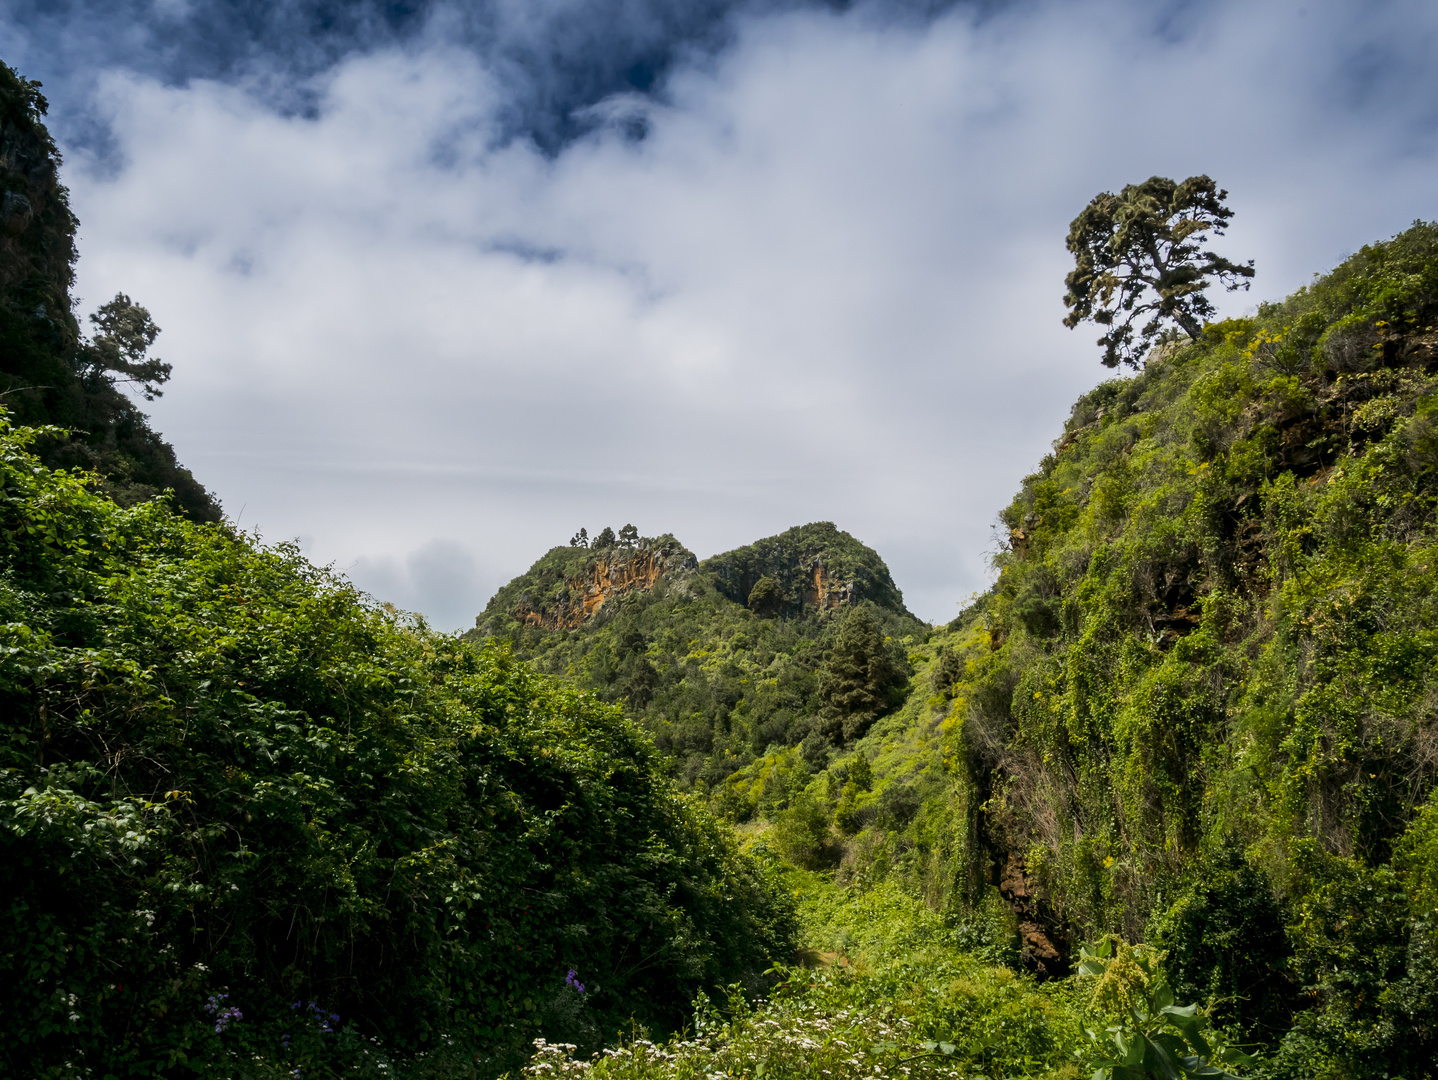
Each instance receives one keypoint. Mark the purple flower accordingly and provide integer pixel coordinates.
(571, 980)
(224, 1016)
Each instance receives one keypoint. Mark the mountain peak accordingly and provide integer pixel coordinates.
(814, 566)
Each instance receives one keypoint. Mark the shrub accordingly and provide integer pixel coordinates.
(1227, 949)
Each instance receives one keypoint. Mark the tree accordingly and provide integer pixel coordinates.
(1147, 240)
(862, 679)
(860, 774)
(121, 348)
(766, 597)
(628, 536)
(848, 815)
(580, 539)
(947, 668)
(604, 540)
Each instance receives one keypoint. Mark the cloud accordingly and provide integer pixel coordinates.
(555, 57)
(824, 285)
(439, 579)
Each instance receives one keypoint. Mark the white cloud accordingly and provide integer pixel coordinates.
(825, 286)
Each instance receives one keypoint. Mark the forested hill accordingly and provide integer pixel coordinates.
(809, 567)
(795, 640)
(51, 372)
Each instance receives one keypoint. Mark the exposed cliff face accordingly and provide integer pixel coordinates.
(1038, 952)
(612, 574)
(825, 591)
(817, 567)
(37, 230)
(570, 586)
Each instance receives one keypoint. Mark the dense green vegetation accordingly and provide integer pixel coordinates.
(222, 772)
(900, 995)
(1204, 709)
(50, 373)
(903, 993)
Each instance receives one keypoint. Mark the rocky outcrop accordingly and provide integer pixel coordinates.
(824, 591)
(37, 230)
(610, 575)
(1037, 950)
(48, 374)
(816, 567)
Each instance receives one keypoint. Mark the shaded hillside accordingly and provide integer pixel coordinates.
(717, 682)
(809, 567)
(49, 372)
(254, 825)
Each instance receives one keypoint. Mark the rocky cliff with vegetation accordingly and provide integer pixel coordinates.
(571, 585)
(51, 373)
(1198, 706)
(725, 659)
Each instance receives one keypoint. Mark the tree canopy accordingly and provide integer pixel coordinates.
(1140, 254)
(766, 597)
(119, 351)
(862, 679)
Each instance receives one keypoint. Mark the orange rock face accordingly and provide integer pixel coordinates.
(825, 592)
(610, 577)
(1039, 954)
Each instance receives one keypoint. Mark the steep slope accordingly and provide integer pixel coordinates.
(570, 585)
(716, 682)
(811, 567)
(48, 373)
(1199, 704)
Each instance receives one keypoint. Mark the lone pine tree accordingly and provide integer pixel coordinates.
(1140, 253)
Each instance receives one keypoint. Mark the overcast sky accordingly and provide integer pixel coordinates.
(442, 283)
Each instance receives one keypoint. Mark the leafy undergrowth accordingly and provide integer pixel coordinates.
(892, 992)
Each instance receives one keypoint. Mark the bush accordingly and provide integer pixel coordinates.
(1227, 949)
(801, 832)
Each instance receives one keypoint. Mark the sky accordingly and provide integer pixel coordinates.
(442, 283)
